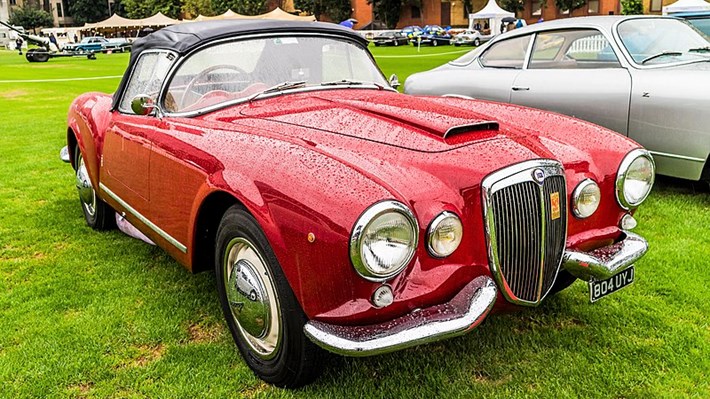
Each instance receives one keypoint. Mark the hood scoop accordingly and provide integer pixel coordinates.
(469, 128)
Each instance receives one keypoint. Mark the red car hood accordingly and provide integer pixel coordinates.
(415, 123)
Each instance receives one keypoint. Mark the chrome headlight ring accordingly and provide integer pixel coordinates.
(361, 232)
(453, 222)
(585, 188)
(630, 164)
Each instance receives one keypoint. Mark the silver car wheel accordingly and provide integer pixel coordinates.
(252, 298)
(87, 194)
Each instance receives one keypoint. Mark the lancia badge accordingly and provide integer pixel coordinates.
(539, 175)
(555, 205)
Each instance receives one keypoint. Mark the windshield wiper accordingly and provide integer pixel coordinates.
(278, 87)
(663, 54)
(700, 50)
(350, 82)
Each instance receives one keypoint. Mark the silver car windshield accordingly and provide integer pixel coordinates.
(248, 69)
(656, 41)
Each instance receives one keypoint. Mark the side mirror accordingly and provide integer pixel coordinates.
(142, 105)
(394, 81)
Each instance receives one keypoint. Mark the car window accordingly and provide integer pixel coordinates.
(703, 24)
(237, 70)
(657, 41)
(147, 77)
(572, 49)
(506, 54)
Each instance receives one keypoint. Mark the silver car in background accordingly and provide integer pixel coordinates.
(645, 77)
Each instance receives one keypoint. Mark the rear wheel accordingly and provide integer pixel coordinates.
(98, 214)
(476, 42)
(434, 43)
(260, 308)
(396, 43)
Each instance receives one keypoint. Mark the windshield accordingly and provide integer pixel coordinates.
(240, 70)
(657, 41)
(703, 24)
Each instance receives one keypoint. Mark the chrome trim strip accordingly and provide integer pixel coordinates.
(683, 157)
(504, 178)
(143, 219)
(460, 315)
(603, 263)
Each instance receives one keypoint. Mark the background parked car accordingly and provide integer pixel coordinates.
(87, 44)
(118, 44)
(412, 31)
(390, 39)
(433, 35)
(651, 84)
(469, 37)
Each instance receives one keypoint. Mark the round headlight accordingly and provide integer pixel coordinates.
(383, 240)
(635, 178)
(445, 233)
(585, 199)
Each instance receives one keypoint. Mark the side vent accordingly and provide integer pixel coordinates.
(473, 127)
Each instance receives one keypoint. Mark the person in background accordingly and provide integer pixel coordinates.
(477, 26)
(18, 44)
(76, 39)
(519, 24)
(53, 39)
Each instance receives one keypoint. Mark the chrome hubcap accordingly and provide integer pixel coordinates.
(87, 194)
(252, 297)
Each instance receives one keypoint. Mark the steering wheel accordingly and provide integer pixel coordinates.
(201, 75)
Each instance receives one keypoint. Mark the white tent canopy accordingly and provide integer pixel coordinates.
(686, 6)
(494, 14)
(276, 13)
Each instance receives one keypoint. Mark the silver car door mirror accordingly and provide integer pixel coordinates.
(394, 81)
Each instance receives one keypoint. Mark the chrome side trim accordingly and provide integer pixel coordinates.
(602, 263)
(460, 315)
(676, 156)
(143, 219)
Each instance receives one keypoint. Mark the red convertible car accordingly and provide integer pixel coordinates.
(337, 213)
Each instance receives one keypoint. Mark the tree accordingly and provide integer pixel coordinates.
(137, 9)
(513, 5)
(246, 7)
(631, 7)
(569, 5)
(86, 11)
(30, 16)
(387, 11)
(194, 8)
(336, 10)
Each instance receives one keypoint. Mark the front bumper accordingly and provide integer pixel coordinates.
(460, 315)
(602, 263)
(466, 310)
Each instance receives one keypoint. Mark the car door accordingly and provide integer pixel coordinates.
(497, 67)
(127, 144)
(576, 72)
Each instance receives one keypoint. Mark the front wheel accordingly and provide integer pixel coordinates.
(476, 42)
(98, 214)
(260, 308)
(564, 280)
(434, 43)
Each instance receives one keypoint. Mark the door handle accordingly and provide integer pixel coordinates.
(518, 88)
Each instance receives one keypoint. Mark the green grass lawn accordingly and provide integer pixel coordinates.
(86, 314)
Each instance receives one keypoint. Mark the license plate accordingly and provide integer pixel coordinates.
(601, 288)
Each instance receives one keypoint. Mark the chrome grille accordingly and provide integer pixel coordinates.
(526, 240)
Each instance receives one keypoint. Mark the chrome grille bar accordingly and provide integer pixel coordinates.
(526, 236)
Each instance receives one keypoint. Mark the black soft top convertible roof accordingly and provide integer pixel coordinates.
(183, 38)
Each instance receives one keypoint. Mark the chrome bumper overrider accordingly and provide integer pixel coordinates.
(604, 262)
(458, 316)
